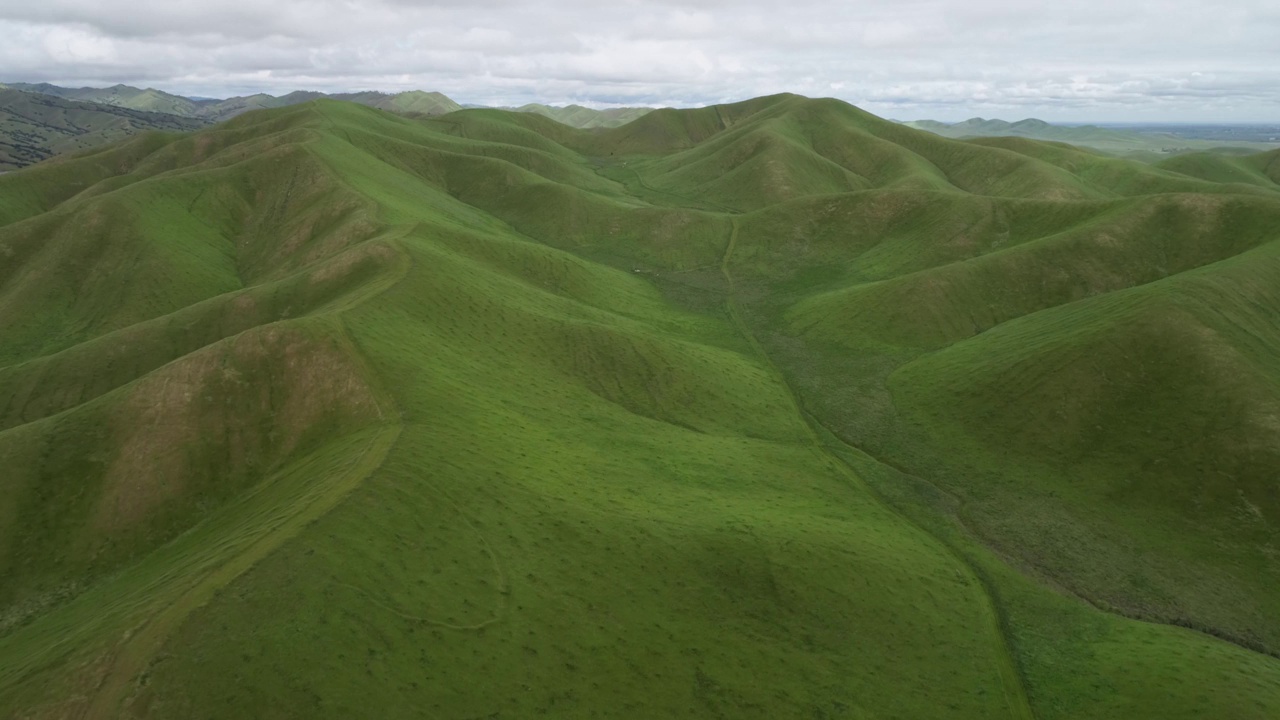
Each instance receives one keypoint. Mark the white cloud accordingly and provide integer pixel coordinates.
(1070, 60)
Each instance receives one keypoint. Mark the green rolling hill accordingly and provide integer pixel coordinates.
(764, 410)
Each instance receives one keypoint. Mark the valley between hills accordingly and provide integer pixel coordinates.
(763, 410)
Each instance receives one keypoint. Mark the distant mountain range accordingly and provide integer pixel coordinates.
(124, 96)
(1031, 127)
(151, 100)
(1111, 140)
(34, 127)
(32, 130)
(410, 102)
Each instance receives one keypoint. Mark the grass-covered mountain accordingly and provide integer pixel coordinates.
(1110, 140)
(34, 127)
(773, 409)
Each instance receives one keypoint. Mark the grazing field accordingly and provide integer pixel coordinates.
(765, 410)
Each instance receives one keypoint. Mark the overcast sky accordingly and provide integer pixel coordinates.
(1066, 60)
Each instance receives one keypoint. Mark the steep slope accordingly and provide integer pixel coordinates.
(1189, 363)
(329, 412)
(35, 127)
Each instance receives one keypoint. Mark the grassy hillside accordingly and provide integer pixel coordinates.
(774, 409)
(34, 127)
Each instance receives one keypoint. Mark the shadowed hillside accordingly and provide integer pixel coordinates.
(123, 96)
(35, 127)
(772, 409)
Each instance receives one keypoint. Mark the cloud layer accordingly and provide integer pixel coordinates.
(949, 59)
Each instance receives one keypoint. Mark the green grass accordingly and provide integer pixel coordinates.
(773, 409)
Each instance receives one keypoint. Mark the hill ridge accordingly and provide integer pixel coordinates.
(631, 384)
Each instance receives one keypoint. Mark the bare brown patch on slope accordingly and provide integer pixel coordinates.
(348, 263)
(224, 416)
(299, 219)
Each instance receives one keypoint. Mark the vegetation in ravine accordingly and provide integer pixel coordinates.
(773, 409)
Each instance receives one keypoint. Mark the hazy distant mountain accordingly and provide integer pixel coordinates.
(584, 117)
(147, 100)
(219, 110)
(1111, 140)
(1029, 128)
(34, 126)
(410, 102)
(72, 119)
(414, 101)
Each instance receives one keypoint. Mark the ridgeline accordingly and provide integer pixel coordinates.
(771, 409)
